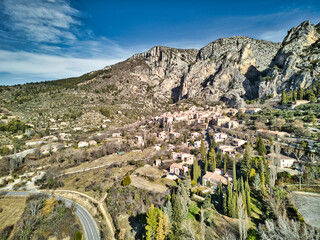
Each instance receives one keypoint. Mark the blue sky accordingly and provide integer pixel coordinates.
(51, 39)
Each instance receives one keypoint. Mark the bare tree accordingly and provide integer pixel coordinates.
(283, 229)
(12, 165)
(243, 218)
(34, 207)
(203, 226)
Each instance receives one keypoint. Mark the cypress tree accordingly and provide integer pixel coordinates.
(234, 175)
(234, 205)
(225, 206)
(245, 163)
(213, 167)
(229, 199)
(196, 171)
(248, 199)
(211, 156)
(225, 167)
(206, 165)
(203, 150)
(220, 195)
(260, 146)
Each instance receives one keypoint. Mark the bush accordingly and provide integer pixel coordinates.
(105, 112)
(126, 181)
(77, 236)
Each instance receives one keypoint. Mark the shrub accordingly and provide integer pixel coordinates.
(126, 181)
(77, 236)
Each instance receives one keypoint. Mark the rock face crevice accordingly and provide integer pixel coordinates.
(230, 69)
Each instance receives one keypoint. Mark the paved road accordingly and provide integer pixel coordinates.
(308, 205)
(90, 228)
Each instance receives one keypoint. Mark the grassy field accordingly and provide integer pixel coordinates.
(11, 209)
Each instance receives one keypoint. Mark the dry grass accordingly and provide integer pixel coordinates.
(114, 158)
(149, 171)
(102, 177)
(12, 208)
(143, 183)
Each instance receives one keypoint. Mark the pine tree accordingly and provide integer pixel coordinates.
(300, 93)
(284, 99)
(294, 95)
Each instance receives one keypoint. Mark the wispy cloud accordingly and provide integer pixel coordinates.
(275, 36)
(43, 40)
(48, 67)
(43, 21)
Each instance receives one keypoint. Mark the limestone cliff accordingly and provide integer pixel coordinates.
(229, 69)
(297, 63)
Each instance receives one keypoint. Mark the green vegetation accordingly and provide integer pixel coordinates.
(14, 126)
(105, 112)
(71, 82)
(126, 181)
(77, 236)
(311, 94)
(267, 79)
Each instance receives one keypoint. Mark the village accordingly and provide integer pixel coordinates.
(180, 134)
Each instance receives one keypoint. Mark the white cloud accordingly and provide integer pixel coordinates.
(41, 20)
(275, 36)
(48, 66)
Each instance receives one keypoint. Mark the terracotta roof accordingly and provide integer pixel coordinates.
(215, 177)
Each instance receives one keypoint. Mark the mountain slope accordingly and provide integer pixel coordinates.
(231, 69)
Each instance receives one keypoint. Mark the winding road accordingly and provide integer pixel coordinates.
(90, 228)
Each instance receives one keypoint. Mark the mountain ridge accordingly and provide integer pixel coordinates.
(232, 70)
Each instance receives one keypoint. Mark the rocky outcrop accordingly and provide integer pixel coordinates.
(230, 69)
(297, 62)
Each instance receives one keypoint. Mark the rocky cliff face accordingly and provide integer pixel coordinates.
(230, 69)
(297, 63)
